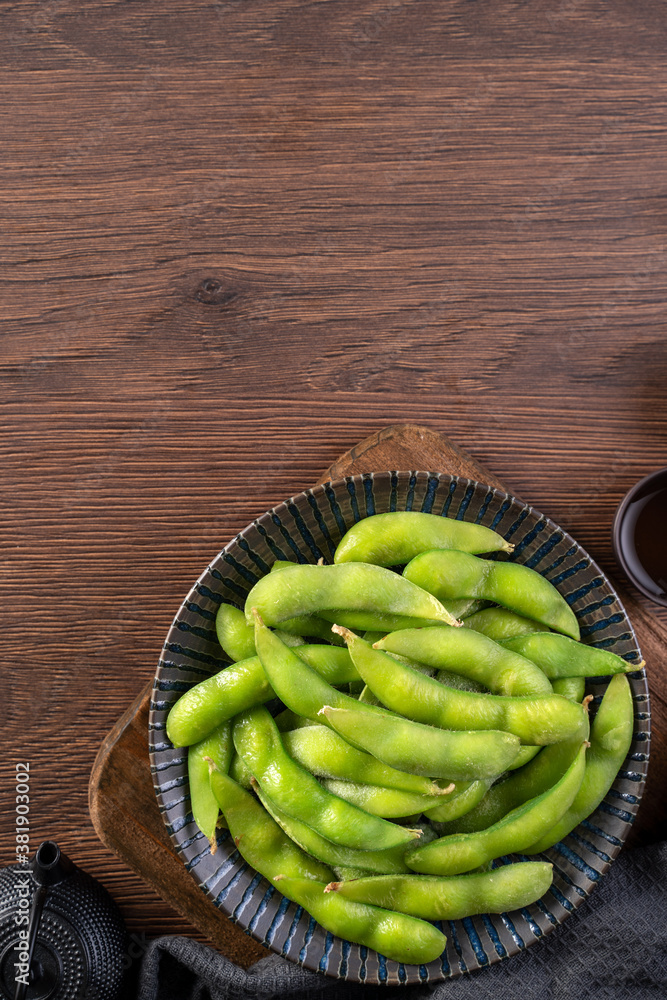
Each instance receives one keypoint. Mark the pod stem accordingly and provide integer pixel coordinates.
(345, 633)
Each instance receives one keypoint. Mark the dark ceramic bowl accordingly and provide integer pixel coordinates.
(303, 529)
(639, 536)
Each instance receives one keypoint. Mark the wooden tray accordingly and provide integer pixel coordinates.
(123, 806)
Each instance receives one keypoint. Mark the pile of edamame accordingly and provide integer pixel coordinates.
(431, 721)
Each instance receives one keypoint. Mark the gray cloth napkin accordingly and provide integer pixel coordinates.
(612, 947)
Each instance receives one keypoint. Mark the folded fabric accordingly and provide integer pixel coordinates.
(614, 947)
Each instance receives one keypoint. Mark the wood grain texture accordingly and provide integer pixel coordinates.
(237, 240)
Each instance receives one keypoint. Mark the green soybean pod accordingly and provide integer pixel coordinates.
(501, 623)
(258, 838)
(536, 777)
(573, 688)
(404, 745)
(560, 656)
(287, 720)
(450, 679)
(391, 803)
(299, 794)
(395, 538)
(450, 575)
(462, 609)
(217, 747)
(327, 755)
(525, 754)
(241, 685)
(397, 936)
(239, 771)
(471, 654)
(237, 638)
(320, 625)
(310, 625)
(611, 737)
(459, 804)
(500, 890)
(215, 700)
(366, 697)
(297, 685)
(345, 871)
(535, 720)
(383, 862)
(458, 853)
(428, 750)
(365, 591)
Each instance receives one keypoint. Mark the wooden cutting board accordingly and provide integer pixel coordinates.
(123, 806)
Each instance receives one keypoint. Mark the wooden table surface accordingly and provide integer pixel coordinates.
(236, 240)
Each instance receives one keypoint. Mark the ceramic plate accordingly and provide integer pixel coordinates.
(303, 529)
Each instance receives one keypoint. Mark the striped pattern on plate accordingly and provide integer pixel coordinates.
(303, 529)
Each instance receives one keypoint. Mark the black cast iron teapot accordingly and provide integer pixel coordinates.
(61, 934)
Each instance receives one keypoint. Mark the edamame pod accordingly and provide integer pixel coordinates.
(408, 746)
(418, 749)
(387, 802)
(611, 736)
(462, 609)
(300, 687)
(452, 680)
(361, 621)
(215, 700)
(362, 590)
(395, 538)
(232, 690)
(471, 654)
(217, 747)
(560, 656)
(327, 755)
(239, 771)
(383, 862)
(288, 720)
(501, 623)
(525, 754)
(397, 936)
(449, 575)
(500, 890)
(458, 853)
(459, 803)
(537, 777)
(573, 688)
(310, 626)
(258, 838)
(299, 794)
(344, 872)
(237, 638)
(535, 720)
